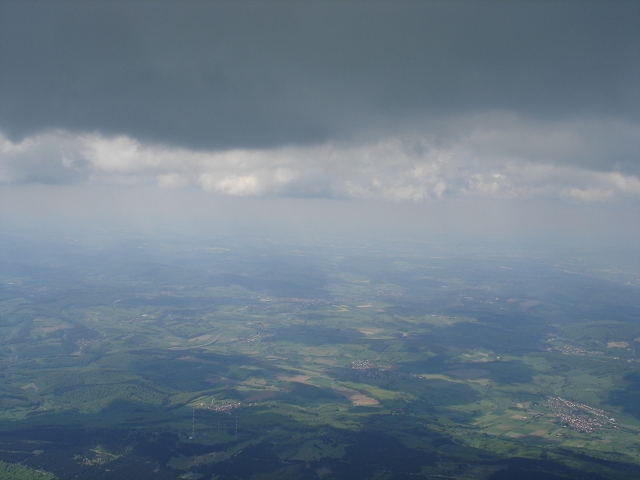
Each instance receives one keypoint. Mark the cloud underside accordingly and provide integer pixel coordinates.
(260, 75)
(492, 155)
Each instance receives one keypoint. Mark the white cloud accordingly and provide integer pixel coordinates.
(53, 157)
(236, 185)
(497, 156)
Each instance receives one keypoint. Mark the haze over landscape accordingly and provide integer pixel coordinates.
(390, 239)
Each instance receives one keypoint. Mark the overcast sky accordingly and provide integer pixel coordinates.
(418, 104)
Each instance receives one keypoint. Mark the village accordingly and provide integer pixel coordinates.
(569, 414)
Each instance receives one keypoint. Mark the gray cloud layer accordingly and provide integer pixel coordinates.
(220, 76)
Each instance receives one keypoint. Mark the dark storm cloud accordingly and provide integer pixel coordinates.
(264, 74)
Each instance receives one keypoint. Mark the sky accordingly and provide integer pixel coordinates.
(477, 118)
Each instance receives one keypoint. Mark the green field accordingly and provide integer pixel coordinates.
(335, 362)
